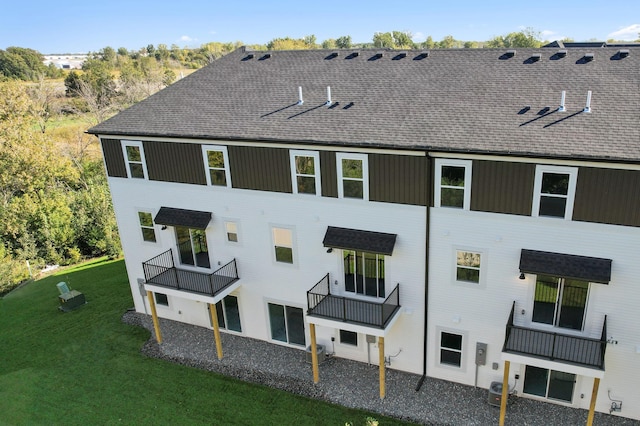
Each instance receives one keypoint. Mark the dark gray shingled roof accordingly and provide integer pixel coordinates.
(181, 217)
(459, 100)
(355, 239)
(585, 268)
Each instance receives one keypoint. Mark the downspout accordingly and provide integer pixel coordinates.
(426, 279)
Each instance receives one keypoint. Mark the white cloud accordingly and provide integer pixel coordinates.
(629, 33)
(418, 37)
(186, 38)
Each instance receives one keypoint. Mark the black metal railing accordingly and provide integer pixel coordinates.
(322, 303)
(161, 271)
(584, 351)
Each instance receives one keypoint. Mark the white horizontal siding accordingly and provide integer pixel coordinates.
(262, 279)
(480, 312)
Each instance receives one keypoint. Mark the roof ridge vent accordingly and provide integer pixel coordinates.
(587, 107)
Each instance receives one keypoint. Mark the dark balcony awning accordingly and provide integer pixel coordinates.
(354, 239)
(181, 217)
(593, 269)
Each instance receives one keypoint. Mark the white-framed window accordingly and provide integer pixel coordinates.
(348, 338)
(468, 264)
(353, 175)
(283, 244)
(147, 227)
(231, 231)
(286, 324)
(560, 302)
(549, 384)
(452, 183)
(216, 165)
(554, 191)
(364, 273)
(305, 172)
(451, 345)
(133, 152)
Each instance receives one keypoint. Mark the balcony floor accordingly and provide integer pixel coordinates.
(567, 349)
(354, 311)
(191, 281)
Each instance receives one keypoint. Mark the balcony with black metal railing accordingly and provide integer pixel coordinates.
(161, 271)
(569, 349)
(322, 303)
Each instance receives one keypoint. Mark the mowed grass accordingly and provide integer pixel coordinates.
(85, 367)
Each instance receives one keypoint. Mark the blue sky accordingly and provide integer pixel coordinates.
(89, 25)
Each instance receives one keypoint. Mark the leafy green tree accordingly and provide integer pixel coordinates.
(382, 40)
(310, 41)
(287, 43)
(21, 63)
(448, 42)
(402, 40)
(122, 51)
(329, 43)
(344, 42)
(526, 38)
(429, 43)
(470, 44)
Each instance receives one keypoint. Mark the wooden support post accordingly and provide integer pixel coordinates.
(314, 354)
(594, 395)
(154, 315)
(216, 328)
(505, 393)
(381, 365)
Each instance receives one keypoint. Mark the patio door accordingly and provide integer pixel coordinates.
(364, 273)
(560, 302)
(192, 247)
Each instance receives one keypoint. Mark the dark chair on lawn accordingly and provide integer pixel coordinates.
(69, 299)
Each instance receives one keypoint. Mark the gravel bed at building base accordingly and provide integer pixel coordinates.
(350, 383)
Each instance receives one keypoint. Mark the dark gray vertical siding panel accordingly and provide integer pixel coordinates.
(607, 196)
(262, 169)
(175, 162)
(502, 187)
(328, 174)
(398, 179)
(113, 158)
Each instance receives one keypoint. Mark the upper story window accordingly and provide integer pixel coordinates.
(353, 175)
(231, 230)
(554, 191)
(146, 225)
(452, 183)
(468, 266)
(134, 158)
(283, 244)
(216, 164)
(305, 172)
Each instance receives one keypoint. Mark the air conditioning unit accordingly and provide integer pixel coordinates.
(495, 394)
(319, 351)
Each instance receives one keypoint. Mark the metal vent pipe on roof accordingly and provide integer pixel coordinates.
(300, 100)
(587, 107)
(561, 108)
(328, 95)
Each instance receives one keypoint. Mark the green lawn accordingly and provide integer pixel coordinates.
(85, 367)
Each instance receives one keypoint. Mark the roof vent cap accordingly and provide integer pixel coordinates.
(623, 53)
(510, 53)
(562, 53)
(265, 56)
(588, 57)
(420, 56)
(535, 57)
